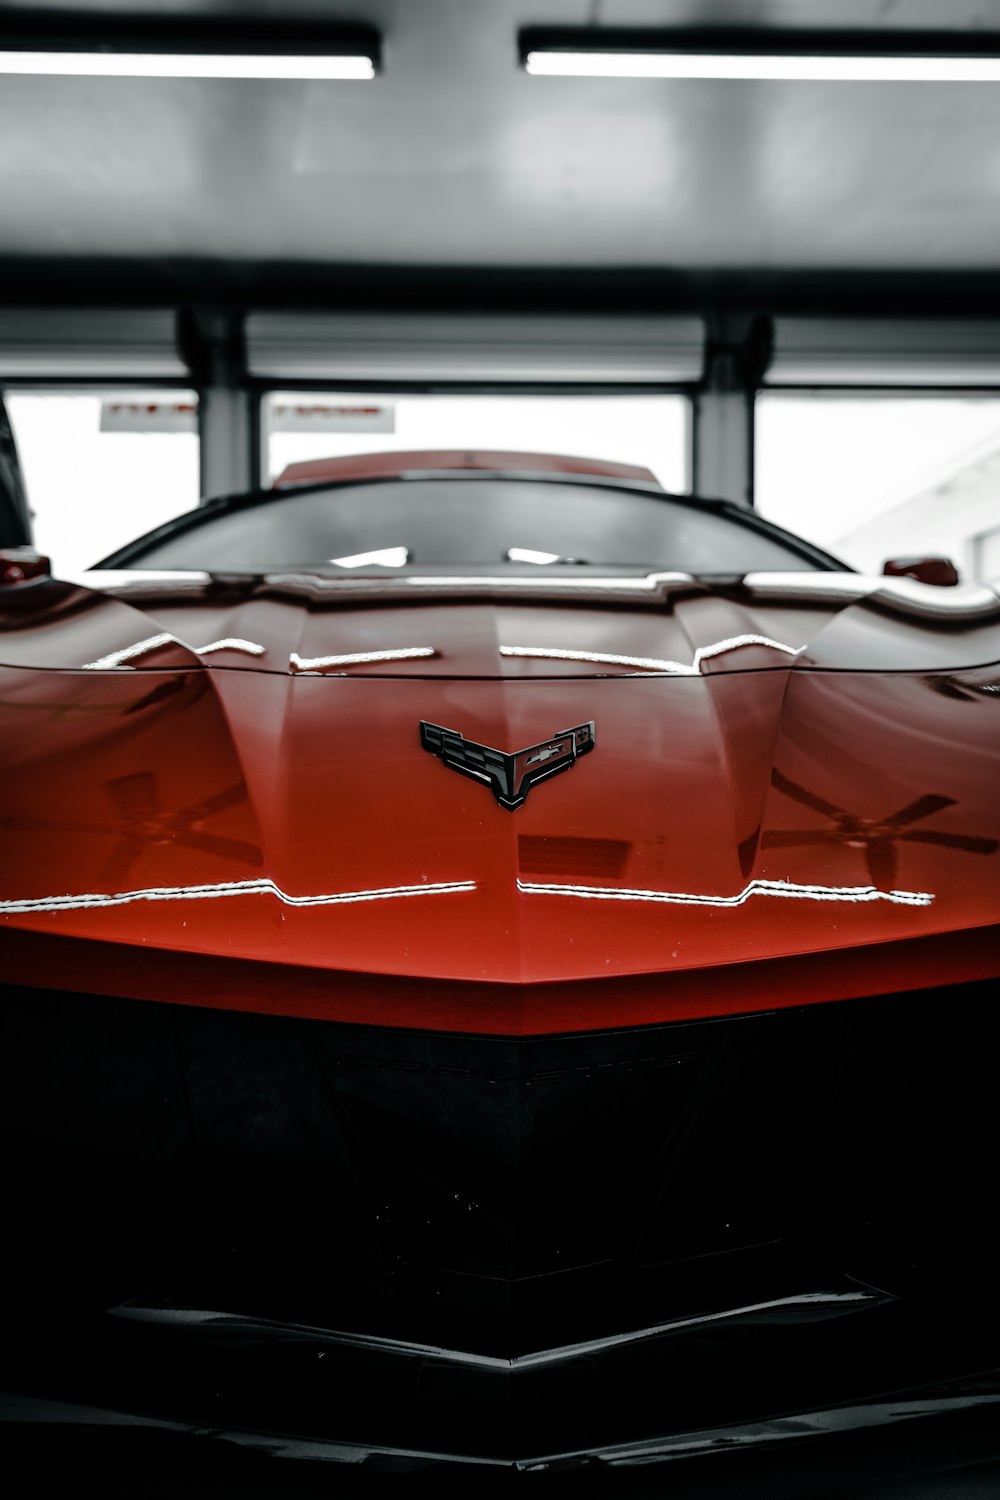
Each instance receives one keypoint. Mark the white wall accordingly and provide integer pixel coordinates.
(844, 471)
(648, 430)
(91, 491)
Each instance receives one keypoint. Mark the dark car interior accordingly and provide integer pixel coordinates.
(454, 520)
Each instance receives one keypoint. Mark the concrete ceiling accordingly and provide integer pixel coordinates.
(454, 158)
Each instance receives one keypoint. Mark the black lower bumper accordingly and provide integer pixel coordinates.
(401, 1247)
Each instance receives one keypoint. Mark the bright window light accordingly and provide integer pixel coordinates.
(187, 65)
(791, 67)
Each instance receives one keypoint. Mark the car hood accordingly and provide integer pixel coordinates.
(751, 796)
(569, 623)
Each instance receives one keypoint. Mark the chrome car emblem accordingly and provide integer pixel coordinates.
(509, 777)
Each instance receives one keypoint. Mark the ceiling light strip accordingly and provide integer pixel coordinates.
(97, 64)
(770, 67)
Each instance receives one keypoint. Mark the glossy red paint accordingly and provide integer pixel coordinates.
(803, 812)
(483, 1008)
(21, 565)
(390, 465)
(940, 571)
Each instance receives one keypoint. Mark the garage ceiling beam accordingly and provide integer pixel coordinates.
(166, 281)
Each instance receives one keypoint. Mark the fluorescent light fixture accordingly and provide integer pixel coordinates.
(800, 69)
(772, 54)
(185, 65)
(162, 48)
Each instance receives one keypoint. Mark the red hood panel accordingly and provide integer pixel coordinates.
(298, 821)
(232, 770)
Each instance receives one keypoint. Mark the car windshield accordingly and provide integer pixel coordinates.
(444, 522)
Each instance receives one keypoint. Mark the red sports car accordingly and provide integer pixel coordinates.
(498, 968)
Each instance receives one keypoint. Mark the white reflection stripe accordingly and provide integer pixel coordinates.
(118, 658)
(231, 643)
(648, 583)
(822, 586)
(386, 557)
(153, 642)
(232, 888)
(357, 658)
(785, 888)
(653, 663)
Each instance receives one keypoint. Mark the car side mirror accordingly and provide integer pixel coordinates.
(940, 571)
(22, 565)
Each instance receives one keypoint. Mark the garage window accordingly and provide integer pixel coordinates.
(648, 430)
(870, 476)
(103, 466)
